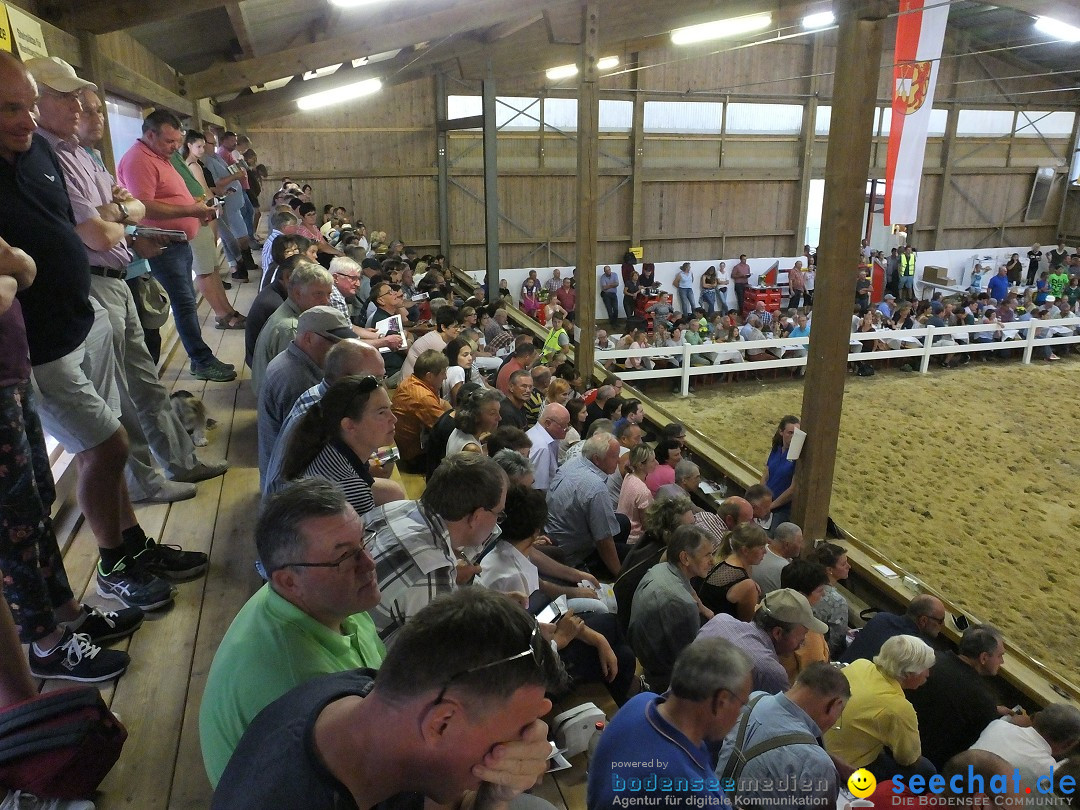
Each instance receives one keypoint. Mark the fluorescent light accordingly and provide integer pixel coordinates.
(346, 93)
(1057, 29)
(566, 71)
(822, 20)
(719, 29)
(352, 3)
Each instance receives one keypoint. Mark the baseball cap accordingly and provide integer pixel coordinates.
(55, 73)
(937, 306)
(889, 297)
(787, 605)
(327, 322)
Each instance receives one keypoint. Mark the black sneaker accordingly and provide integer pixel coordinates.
(76, 658)
(134, 585)
(102, 625)
(171, 562)
(214, 371)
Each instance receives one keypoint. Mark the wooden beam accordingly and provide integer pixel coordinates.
(947, 147)
(104, 16)
(425, 21)
(491, 185)
(858, 64)
(240, 28)
(127, 82)
(637, 164)
(809, 134)
(472, 122)
(588, 159)
(509, 28)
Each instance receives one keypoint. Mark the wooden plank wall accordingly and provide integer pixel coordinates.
(701, 196)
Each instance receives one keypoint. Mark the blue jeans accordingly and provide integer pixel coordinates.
(686, 300)
(611, 304)
(248, 213)
(708, 299)
(173, 269)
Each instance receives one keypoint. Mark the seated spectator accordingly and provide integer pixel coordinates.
(518, 468)
(709, 684)
(731, 512)
(634, 495)
(760, 498)
(1033, 749)
(779, 626)
(786, 544)
(833, 609)
(418, 407)
(665, 616)
(591, 644)
(809, 579)
(798, 771)
(459, 356)
(581, 521)
(507, 437)
(309, 286)
(879, 730)
(293, 372)
(447, 326)
(668, 454)
(418, 545)
(523, 357)
(337, 437)
(631, 411)
(924, 618)
(518, 391)
(541, 379)
(475, 418)
(661, 520)
(957, 703)
(545, 436)
(308, 619)
(388, 303)
(728, 586)
(687, 479)
(346, 739)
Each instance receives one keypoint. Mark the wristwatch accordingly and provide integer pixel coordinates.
(123, 212)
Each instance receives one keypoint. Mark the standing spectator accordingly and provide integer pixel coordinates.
(1034, 259)
(567, 297)
(609, 293)
(684, 283)
(907, 273)
(708, 290)
(232, 228)
(1059, 256)
(631, 287)
(740, 277)
(779, 475)
(553, 284)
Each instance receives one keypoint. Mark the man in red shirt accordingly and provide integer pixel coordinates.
(740, 277)
(146, 172)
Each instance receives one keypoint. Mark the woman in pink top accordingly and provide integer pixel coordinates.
(635, 497)
(309, 228)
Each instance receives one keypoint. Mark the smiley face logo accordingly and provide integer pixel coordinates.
(861, 783)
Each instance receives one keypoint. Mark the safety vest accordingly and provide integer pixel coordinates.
(907, 263)
(551, 344)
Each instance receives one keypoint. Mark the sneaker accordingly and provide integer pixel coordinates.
(1053, 357)
(76, 658)
(240, 275)
(20, 800)
(170, 492)
(134, 586)
(202, 471)
(171, 562)
(102, 625)
(214, 371)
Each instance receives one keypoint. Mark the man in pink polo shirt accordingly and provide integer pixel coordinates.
(146, 172)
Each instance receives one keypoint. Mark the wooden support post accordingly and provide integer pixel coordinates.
(948, 144)
(588, 158)
(809, 135)
(637, 162)
(858, 63)
(442, 143)
(94, 71)
(491, 188)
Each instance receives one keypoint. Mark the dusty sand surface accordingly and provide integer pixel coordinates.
(968, 478)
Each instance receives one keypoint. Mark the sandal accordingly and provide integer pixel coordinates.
(234, 320)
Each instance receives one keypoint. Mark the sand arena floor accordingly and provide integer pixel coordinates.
(969, 478)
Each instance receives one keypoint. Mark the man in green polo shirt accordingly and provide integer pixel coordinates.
(309, 619)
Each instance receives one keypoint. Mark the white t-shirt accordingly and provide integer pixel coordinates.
(454, 375)
(1023, 748)
(507, 569)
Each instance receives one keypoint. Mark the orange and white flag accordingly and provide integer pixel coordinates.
(920, 32)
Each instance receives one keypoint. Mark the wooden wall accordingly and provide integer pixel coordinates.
(693, 196)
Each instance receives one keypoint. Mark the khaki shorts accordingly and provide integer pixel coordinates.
(78, 397)
(204, 252)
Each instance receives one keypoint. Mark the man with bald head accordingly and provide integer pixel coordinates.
(924, 618)
(550, 429)
(732, 512)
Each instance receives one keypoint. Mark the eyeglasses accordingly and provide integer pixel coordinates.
(742, 700)
(349, 276)
(534, 648)
(351, 554)
(500, 516)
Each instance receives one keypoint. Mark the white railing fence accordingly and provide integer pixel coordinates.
(911, 343)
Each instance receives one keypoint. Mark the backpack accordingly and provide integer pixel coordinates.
(59, 745)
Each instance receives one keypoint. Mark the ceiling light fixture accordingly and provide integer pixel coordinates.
(346, 93)
(352, 3)
(719, 29)
(822, 20)
(1057, 29)
(566, 71)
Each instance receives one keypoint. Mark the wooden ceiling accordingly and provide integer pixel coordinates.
(225, 48)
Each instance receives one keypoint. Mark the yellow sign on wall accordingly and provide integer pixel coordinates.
(5, 30)
(26, 33)
(638, 252)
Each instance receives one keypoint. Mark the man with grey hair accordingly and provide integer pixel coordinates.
(956, 704)
(347, 283)
(595, 409)
(581, 520)
(518, 469)
(309, 619)
(1034, 750)
(545, 435)
(774, 756)
(924, 617)
(687, 478)
(786, 544)
(309, 286)
(667, 737)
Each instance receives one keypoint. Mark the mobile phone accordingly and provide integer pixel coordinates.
(961, 622)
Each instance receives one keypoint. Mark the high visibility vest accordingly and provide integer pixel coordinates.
(907, 263)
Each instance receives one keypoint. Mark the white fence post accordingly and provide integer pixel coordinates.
(686, 370)
(1029, 343)
(928, 347)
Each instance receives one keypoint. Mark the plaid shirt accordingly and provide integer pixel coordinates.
(414, 562)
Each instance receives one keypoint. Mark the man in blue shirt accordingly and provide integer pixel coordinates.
(656, 746)
(924, 618)
(998, 286)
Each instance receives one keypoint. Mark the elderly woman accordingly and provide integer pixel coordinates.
(879, 729)
(728, 587)
(338, 436)
(476, 417)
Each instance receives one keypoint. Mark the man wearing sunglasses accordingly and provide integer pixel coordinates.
(309, 619)
(453, 716)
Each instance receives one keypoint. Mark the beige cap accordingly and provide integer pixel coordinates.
(55, 73)
(327, 322)
(790, 606)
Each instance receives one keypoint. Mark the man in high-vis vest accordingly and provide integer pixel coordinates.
(907, 274)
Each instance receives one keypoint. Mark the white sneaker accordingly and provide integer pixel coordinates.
(19, 800)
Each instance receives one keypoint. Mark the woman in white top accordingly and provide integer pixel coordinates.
(459, 354)
(477, 415)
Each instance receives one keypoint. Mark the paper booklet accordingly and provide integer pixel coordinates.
(392, 326)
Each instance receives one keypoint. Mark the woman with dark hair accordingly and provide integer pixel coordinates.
(337, 437)
(508, 437)
(833, 608)
(309, 227)
(591, 646)
(779, 475)
(708, 290)
(459, 355)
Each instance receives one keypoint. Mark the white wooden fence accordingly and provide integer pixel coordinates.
(1019, 334)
